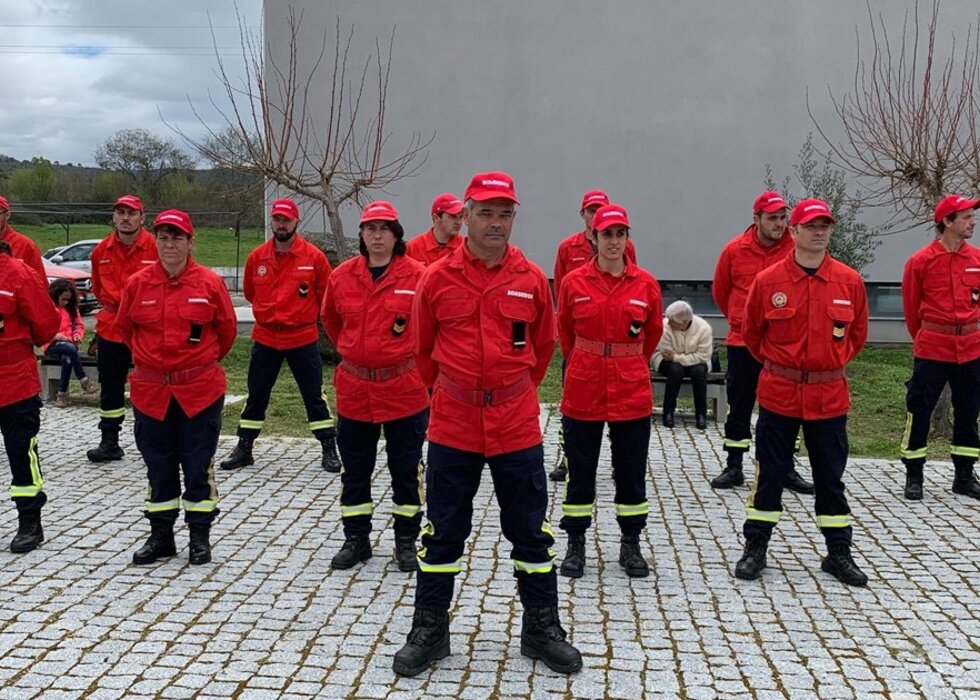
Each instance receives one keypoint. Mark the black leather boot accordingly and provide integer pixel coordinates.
(241, 456)
(668, 419)
(356, 548)
(965, 483)
(330, 461)
(159, 545)
(29, 535)
(794, 482)
(108, 449)
(406, 554)
(542, 637)
(630, 557)
(839, 564)
(200, 546)
(701, 421)
(428, 641)
(753, 560)
(573, 565)
(560, 472)
(732, 475)
(913, 479)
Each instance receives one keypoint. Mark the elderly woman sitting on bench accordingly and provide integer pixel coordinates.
(684, 351)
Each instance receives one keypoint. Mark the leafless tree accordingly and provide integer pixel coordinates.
(272, 129)
(911, 123)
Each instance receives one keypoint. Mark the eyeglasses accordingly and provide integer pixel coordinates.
(172, 238)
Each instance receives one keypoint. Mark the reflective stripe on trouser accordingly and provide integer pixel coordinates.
(263, 370)
(113, 360)
(630, 441)
(929, 377)
(19, 424)
(357, 442)
(180, 443)
(741, 381)
(452, 479)
(826, 444)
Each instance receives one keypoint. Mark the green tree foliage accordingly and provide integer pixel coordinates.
(852, 242)
(33, 183)
(147, 159)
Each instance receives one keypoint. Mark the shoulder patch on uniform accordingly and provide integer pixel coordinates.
(262, 271)
(521, 295)
(843, 302)
(779, 299)
(637, 302)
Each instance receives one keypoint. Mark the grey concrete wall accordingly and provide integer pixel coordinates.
(673, 108)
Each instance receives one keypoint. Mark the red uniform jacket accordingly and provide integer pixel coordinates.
(27, 318)
(113, 263)
(426, 249)
(575, 251)
(594, 305)
(159, 318)
(944, 288)
(810, 323)
(286, 290)
(485, 329)
(26, 250)
(370, 324)
(740, 261)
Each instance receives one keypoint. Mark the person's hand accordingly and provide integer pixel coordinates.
(62, 338)
(668, 355)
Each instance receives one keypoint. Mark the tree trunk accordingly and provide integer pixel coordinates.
(940, 424)
(337, 232)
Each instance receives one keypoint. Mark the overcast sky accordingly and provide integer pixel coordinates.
(76, 71)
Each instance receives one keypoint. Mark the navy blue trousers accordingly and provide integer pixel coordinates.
(929, 377)
(113, 360)
(826, 444)
(357, 442)
(19, 424)
(520, 484)
(741, 380)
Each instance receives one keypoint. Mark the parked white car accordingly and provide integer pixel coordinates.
(77, 255)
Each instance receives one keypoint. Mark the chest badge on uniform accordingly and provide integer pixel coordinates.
(975, 295)
(262, 271)
(779, 300)
(839, 329)
(304, 290)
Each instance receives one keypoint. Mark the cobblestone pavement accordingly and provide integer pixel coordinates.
(270, 618)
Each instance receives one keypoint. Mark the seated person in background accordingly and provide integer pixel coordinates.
(64, 346)
(684, 351)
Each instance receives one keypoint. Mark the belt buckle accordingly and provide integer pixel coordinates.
(166, 377)
(370, 373)
(487, 398)
(804, 376)
(607, 350)
(958, 330)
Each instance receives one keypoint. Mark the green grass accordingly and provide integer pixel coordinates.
(875, 425)
(212, 246)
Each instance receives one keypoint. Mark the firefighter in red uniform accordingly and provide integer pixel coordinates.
(805, 318)
(178, 319)
(484, 332)
(284, 280)
(941, 296)
(443, 238)
(21, 247)
(367, 313)
(27, 318)
(120, 255)
(574, 252)
(762, 244)
(610, 319)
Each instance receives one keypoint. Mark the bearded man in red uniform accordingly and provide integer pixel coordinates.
(27, 318)
(941, 296)
(178, 319)
(805, 318)
(120, 255)
(484, 333)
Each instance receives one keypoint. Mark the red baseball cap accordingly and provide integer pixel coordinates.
(492, 185)
(769, 202)
(447, 203)
(130, 201)
(285, 207)
(594, 198)
(808, 210)
(379, 211)
(4, 204)
(953, 203)
(610, 215)
(176, 218)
